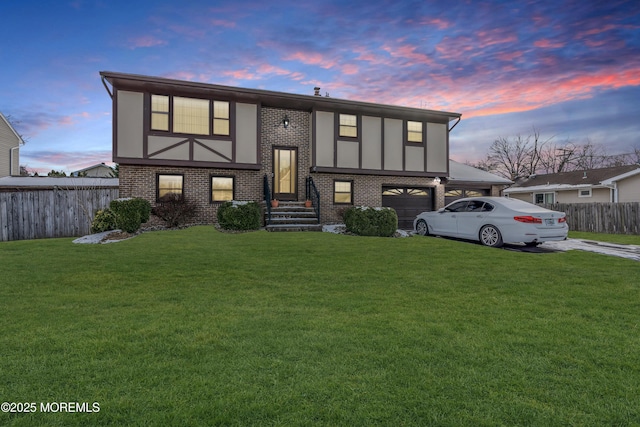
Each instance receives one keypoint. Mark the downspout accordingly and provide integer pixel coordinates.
(104, 83)
(456, 123)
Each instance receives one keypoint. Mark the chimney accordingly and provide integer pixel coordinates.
(316, 91)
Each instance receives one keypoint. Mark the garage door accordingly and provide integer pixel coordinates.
(408, 202)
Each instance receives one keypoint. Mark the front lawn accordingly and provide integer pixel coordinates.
(197, 327)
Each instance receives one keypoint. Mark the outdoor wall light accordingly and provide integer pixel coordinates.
(436, 180)
(285, 121)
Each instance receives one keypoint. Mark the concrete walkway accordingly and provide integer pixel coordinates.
(612, 249)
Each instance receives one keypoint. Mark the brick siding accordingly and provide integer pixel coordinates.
(140, 181)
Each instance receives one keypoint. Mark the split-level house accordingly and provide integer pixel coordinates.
(10, 142)
(214, 143)
(608, 185)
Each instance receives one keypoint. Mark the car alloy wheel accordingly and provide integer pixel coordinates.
(422, 228)
(490, 236)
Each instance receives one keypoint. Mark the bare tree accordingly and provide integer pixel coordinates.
(590, 156)
(515, 158)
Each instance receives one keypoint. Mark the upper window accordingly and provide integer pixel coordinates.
(348, 125)
(189, 115)
(221, 118)
(160, 112)
(168, 184)
(221, 188)
(343, 192)
(414, 132)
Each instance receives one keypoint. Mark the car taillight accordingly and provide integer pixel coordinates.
(528, 219)
(561, 220)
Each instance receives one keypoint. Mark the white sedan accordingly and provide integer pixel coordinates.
(494, 221)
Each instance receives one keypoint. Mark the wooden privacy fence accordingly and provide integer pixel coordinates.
(616, 218)
(58, 212)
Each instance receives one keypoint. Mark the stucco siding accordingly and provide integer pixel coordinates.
(130, 124)
(414, 159)
(371, 142)
(629, 189)
(348, 154)
(324, 139)
(437, 160)
(393, 145)
(246, 133)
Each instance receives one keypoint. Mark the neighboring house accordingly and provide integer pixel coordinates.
(467, 181)
(96, 171)
(614, 184)
(215, 143)
(10, 142)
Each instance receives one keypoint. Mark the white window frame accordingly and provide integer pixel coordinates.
(544, 197)
(586, 195)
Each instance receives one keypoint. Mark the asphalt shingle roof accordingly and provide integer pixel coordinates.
(582, 177)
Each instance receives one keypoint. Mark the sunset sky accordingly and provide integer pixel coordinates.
(571, 69)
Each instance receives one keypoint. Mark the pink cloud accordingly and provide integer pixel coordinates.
(440, 24)
(594, 31)
(510, 56)
(146, 41)
(222, 23)
(493, 37)
(408, 52)
(311, 58)
(548, 44)
(350, 69)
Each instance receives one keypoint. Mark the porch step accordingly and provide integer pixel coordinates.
(293, 216)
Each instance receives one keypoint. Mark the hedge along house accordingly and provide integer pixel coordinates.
(214, 143)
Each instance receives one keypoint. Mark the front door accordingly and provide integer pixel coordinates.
(285, 176)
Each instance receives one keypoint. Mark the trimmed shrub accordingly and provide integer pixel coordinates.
(128, 215)
(174, 209)
(365, 221)
(104, 220)
(144, 207)
(239, 215)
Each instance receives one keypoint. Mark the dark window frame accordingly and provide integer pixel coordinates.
(171, 116)
(423, 133)
(158, 175)
(233, 190)
(356, 127)
(350, 181)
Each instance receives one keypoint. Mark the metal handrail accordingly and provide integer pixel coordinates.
(267, 197)
(312, 193)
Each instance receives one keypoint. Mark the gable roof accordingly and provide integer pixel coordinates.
(576, 179)
(97, 166)
(136, 82)
(4, 119)
(459, 173)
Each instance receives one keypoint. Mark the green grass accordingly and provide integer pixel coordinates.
(197, 327)
(622, 239)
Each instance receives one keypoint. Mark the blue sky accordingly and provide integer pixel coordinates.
(571, 69)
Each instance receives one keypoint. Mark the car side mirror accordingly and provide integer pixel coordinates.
(441, 210)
